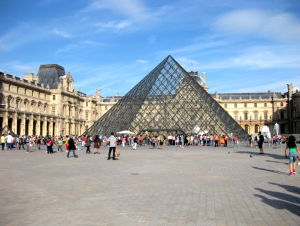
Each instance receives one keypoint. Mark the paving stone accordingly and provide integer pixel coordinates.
(194, 186)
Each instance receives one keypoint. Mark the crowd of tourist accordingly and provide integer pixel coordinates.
(89, 142)
(75, 142)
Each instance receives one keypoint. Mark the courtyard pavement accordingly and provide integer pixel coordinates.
(172, 186)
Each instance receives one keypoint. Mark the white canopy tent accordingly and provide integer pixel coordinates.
(125, 132)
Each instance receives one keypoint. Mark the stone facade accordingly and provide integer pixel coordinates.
(49, 104)
(35, 105)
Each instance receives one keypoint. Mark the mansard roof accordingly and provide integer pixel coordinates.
(247, 96)
(50, 74)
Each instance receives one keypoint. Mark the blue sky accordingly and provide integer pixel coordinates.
(243, 46)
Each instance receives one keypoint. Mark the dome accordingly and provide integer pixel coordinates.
(199, 79)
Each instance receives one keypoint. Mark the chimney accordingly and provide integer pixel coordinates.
(29, 77)
(203, 76)
(98, 92)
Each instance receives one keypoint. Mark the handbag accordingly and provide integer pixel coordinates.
(117, 153)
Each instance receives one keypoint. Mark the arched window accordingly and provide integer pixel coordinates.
(255, 116)
(246, 116)
(53, 111)
(247, 128)
(256, 128)
(235, 115)
(266, 115)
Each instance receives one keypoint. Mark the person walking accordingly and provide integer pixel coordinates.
(216, 138)
(96, 144)
(235, 142)
(3, 141)
(27, 144)
(112, 146)
(49, 146)
(161, 143)
(226, 140)
(39, 140)
(72, 146)
(293, 154)
(260, 143)
(88, 144)
(59, 145)
(79, 143)
(9, 141)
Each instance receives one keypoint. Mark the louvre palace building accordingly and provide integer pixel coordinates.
(49, 104)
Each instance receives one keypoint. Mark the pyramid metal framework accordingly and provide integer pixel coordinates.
(5, 130)
(168, 100)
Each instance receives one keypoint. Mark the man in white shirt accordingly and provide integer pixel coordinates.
(112, 146)
(9, 141)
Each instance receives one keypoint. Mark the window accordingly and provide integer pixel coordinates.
(45, 108)
(256, 128)
(8, 103)
(32, 93)
(0, 85)
(25, 92)
(17, 104)
(86, 115)
(45, 96)
(39, 95)
(282, 115)
(53, 97)
(225, 105)
(106, 108)
(245, 105)
(53, 111)
(87, 104)
(246, 116)
(235, 105)
(8, 87)
(266, 115)
(281, 104)
(70, 111)
(255, 115)
(247, 128)
(265, 105)
(255, 105)
(235, 114)
(17, 89)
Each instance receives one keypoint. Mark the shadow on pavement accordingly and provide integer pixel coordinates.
(268, 170)
(289, 188)
(278, 204)
(285, 163)
(275, 156)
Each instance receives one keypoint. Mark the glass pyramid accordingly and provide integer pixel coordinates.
(169, 101)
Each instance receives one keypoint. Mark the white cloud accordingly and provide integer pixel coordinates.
(142, 61)
(67, 48)
(92, 43)
(61, 33)
(260, 57)
(25, 68)
(187, 63)
(15, 36)
(284, 26)
(114, 25)
(131, 8)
